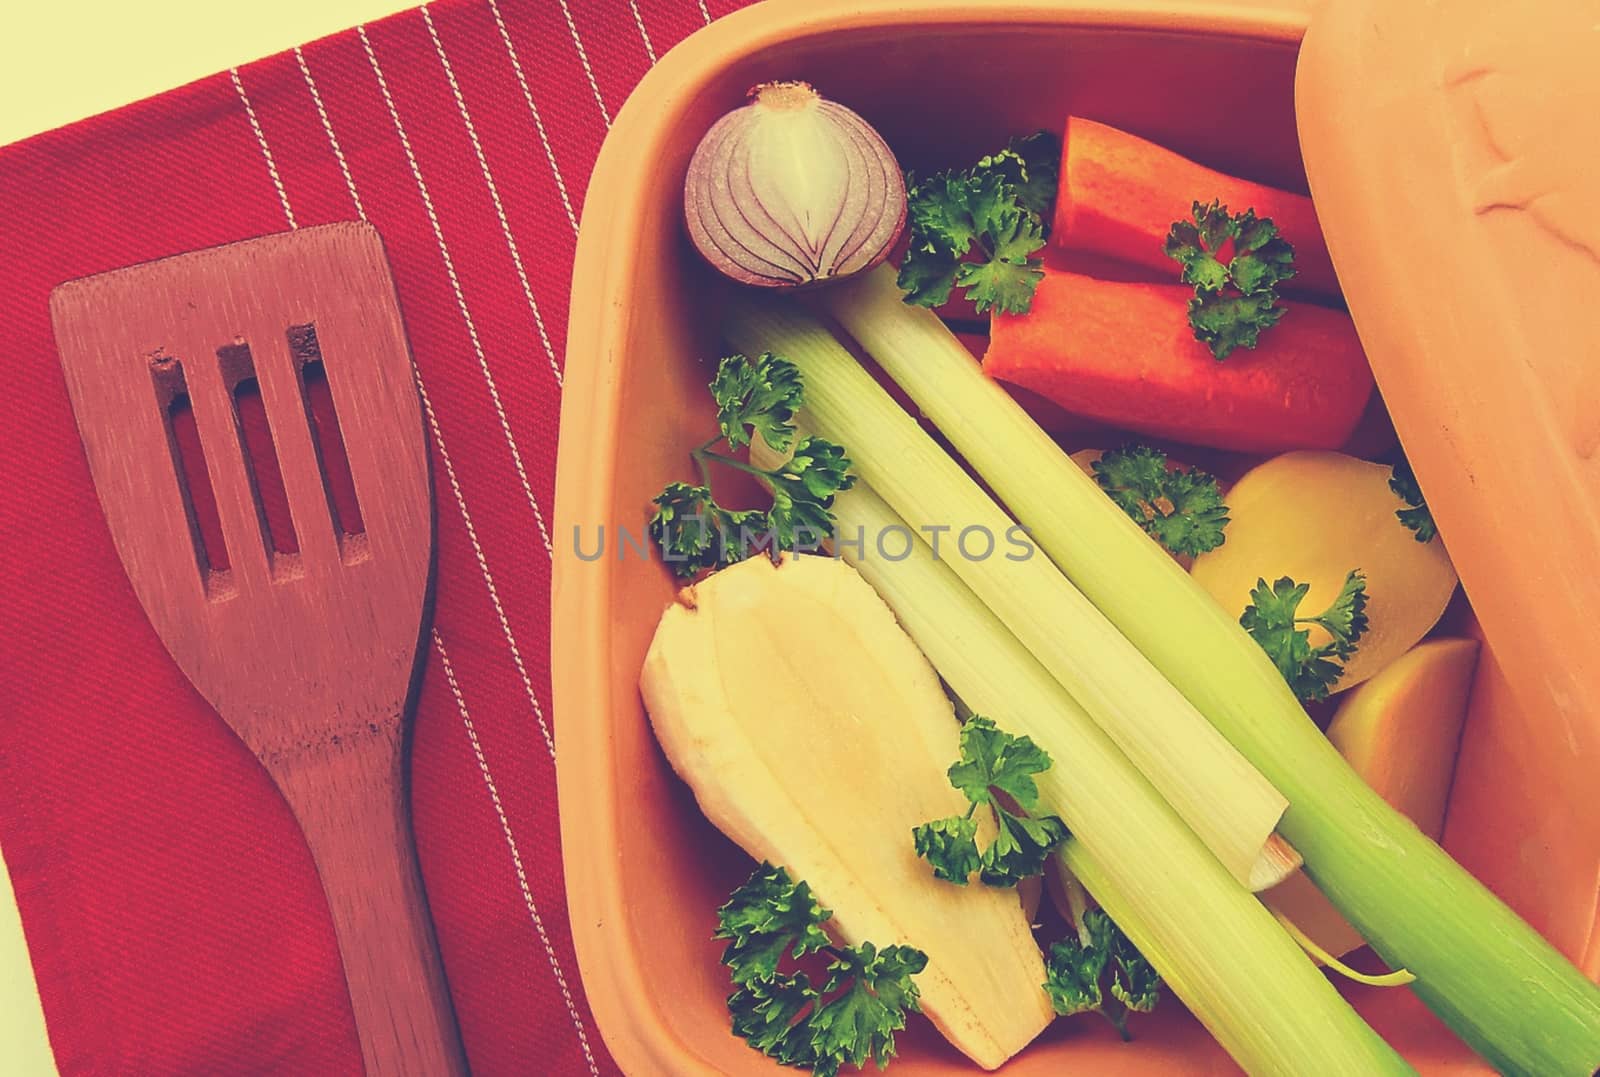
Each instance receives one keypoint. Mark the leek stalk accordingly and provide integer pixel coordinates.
(1484, 971)
(1222, 799)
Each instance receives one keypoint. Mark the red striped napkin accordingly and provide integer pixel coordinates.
(175, 923)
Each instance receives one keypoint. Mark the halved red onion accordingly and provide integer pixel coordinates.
(792, 189)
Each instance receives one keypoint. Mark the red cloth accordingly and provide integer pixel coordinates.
(170, 907)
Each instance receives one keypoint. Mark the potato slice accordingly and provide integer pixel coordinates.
(1401, 730)
(815, 734)
(1314, 516)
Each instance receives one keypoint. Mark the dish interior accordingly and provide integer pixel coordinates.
(942, 94)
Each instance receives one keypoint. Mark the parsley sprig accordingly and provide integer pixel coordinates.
(1416, 515)
(993, 763)
(1076, 973)
(1235, 295)
(851, 1016)
(999, 209)
(1273, 620)
(1180, 508)
(760, 396)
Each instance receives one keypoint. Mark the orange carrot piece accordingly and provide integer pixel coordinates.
(1124, 354)
(1052, 418)
(1121, 194)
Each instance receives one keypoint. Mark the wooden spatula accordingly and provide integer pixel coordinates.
(306, 653)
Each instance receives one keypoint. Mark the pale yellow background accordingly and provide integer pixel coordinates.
(62, 60)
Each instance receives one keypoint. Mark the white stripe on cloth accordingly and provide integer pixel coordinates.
(583, 58)
(327, 127)
(538, 121)
(261, 140)
(494, 196)
(705, 12)
(455, 284)
(483, 566)
(516, 856)
(644, 35)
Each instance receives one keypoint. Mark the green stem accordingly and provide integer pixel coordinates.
(698, 455)
(1117, 1014)
(702, 454)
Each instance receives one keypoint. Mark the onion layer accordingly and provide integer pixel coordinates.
(792, 189)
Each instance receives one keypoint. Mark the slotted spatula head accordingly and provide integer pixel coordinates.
(329, 632)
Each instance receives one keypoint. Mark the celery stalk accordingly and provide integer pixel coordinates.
(1219, 949)
(1210, 785)
(1489, 975)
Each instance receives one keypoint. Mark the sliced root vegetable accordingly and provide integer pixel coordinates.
(1401, 730)
(1222, 799)
(815, 735)
(1125, 354)
(1315, 516)
(1120, 194)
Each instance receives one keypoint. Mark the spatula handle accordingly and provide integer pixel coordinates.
(357, 825)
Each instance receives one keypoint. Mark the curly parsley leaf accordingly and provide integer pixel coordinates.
(765, 1013)
(1007, 279)
(998, 211)
(759, 396)
(1032, 164)
(852, 1017)
(803, 490)
(768, 916)
(992, 759)
(1181, 509)
(1224, 322)
(875, 990)
(1020, 847)
(1416, 515)
(1134, 982)
(950, 845)
(1078, 965)
(1273, 619)
(694, 533)
(684, 528)
(1235, 262)
(1073, 973)
(993, 763)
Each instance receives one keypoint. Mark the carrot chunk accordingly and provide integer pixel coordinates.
(1120, 194)
(1123, 353)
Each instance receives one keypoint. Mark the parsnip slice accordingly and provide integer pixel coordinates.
(815, 735)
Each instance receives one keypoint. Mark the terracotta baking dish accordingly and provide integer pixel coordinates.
(943, 80)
